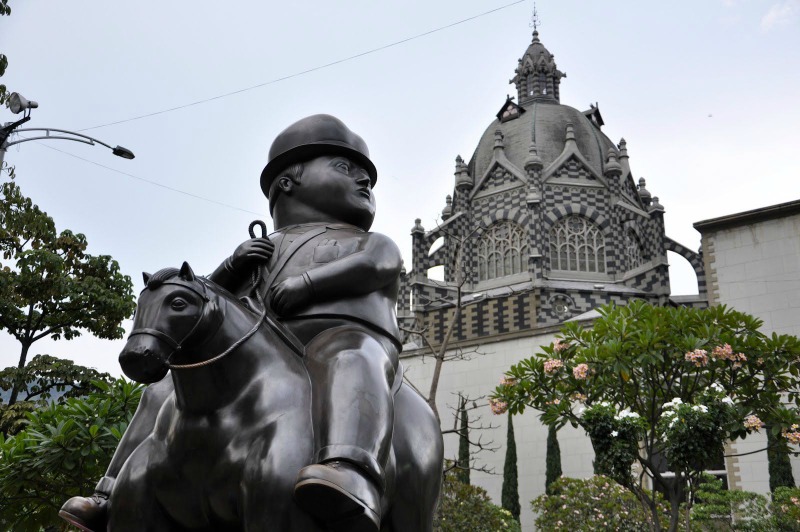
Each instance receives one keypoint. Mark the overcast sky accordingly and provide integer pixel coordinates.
(705, 93)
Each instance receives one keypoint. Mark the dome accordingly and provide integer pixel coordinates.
(544, 123)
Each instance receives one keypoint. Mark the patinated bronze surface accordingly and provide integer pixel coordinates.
(284, 409)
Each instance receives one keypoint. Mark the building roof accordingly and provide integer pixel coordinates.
(772, 212)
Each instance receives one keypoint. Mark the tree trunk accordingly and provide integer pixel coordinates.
(19, 379)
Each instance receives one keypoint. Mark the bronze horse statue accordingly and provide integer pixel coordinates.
(235, 430)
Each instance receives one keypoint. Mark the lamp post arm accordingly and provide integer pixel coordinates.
(82, 138)
(5, 132)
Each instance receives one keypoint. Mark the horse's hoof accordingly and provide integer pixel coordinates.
(340, 496)
(86, 513)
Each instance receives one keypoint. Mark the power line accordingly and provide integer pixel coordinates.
(154, 183)
(314, 69)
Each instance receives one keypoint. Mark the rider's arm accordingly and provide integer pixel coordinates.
(233, 271)
(376, 265)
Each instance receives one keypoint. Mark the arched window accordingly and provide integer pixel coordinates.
(502, 251)
(633, 249)
(577, 245)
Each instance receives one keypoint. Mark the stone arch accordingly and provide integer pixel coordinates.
(501, 215)
(557, 213)
(695, 260)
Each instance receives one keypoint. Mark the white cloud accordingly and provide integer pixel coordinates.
(780, 14)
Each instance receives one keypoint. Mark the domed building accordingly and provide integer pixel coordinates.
(546, 223)
(552, 222)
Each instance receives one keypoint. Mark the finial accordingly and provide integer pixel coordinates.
(613, 168)
(533, 160)
(570, 133)
(418, 226)
(448, 208)
(535, 22)
(623, 148)
(644, 194)
(498, 140)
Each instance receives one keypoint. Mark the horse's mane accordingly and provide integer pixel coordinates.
(158, 278)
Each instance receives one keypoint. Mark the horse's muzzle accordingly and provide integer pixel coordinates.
(141, 362)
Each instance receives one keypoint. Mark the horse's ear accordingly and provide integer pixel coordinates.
(186, 272)
(146, 277)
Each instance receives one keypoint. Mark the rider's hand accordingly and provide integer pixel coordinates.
(291, 294)
(250, 251)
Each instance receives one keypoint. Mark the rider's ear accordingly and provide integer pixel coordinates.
(285, 184)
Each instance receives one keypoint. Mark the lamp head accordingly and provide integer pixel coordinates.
(125, 153)
(17, 103)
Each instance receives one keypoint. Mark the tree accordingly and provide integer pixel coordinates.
(49, 285)
(780, 467)
(463, 442)
(44, 379)
(61, 452)
(510, 491)
(464, 507)
(662, 385)
(552, 458)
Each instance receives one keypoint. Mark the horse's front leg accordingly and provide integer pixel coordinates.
(133, 504)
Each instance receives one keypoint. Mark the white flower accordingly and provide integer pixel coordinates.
(614, 433)
(627, 414)
(717, 387)
(700, 408)
(727, 401)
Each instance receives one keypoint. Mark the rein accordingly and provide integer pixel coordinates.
(240, 341)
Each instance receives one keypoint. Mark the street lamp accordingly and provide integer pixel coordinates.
(19, 104)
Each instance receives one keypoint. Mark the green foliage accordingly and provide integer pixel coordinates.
(467, 508)
(552, 458)
(62, 451)
(786, 509)
(780, 467)
(597, 503)
(721, 509)
(615, 439)
(43, 377)
(510, 492)
(462, 466)
(49, 285)
(645, 360)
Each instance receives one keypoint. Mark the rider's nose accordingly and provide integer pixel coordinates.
(362, 178)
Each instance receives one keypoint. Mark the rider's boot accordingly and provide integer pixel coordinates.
(341, 495)
(89, 513)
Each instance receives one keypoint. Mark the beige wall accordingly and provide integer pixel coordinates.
(476, 378)
(754, 267)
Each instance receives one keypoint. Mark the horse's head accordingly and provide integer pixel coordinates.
(176, 312)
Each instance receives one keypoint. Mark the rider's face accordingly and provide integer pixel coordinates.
(338, 188)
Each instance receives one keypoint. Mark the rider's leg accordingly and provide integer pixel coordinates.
(90, 513)
(352, 371)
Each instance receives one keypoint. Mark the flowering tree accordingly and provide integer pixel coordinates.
(661, 386)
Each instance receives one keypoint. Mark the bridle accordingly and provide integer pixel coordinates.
(178, 346)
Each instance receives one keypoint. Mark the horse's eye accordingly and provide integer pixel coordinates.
(178, 304)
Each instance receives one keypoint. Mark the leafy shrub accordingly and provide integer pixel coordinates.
(62, 451)
(721, 509)
(467, 508)
(786, 509)
(597, 503)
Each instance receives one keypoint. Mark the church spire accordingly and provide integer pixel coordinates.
(536, 74)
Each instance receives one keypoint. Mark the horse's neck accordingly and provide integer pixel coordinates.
(211, 387)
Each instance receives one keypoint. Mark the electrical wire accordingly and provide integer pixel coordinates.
(303, 72)
(151, 182)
